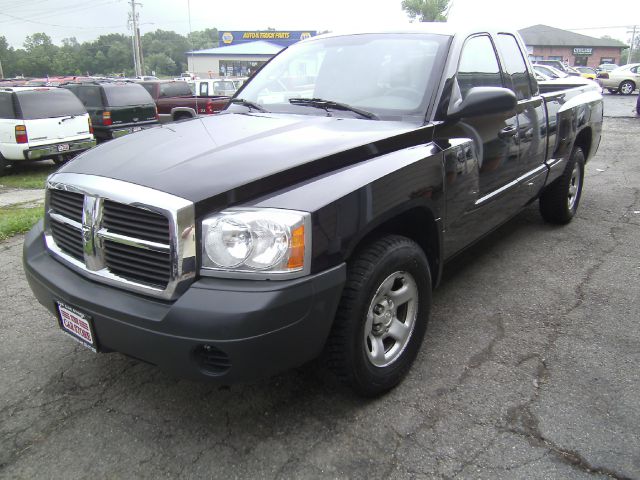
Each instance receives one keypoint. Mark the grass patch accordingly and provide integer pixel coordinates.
(14, 220)
(32, 175)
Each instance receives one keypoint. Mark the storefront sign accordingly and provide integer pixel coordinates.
(279, 37)
(582, 51)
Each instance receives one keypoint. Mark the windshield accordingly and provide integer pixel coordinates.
(388, 74)
(550, 71)
(49, 103)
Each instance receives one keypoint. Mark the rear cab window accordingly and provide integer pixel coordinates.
(515, 66)
(175, 89)
(7, 110)
(35, 104)
(126, 95)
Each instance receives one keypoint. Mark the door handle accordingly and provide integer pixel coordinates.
(507, 132)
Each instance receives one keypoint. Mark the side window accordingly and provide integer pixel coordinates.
(204, 89)
(6, 106)
(514, 65)
(478, 65)
(90, 96)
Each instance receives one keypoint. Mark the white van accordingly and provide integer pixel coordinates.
(212, 87)
(38, 123)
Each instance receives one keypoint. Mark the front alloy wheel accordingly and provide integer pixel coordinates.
(390, 320)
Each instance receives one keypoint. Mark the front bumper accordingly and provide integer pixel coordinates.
(48, 151)
(223, 330)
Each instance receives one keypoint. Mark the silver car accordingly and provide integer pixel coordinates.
(623, 79)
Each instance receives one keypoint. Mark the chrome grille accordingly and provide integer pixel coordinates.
(69, 239)
(124, 219)
(68, 204)
(132, 263)
(142, 240)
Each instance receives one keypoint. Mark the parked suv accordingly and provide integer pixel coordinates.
(116, 108)
(39, 123)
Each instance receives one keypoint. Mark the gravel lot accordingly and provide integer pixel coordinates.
(529, 370)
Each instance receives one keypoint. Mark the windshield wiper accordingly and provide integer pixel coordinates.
(250, 105)
(330, 104)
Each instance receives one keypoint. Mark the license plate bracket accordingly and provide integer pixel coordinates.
(77, 325)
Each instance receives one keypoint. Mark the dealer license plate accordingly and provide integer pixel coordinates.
(77, 325)
(63, 148)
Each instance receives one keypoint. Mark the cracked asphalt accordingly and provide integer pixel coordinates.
(529, 370)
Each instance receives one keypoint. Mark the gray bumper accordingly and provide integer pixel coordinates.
(53, 150)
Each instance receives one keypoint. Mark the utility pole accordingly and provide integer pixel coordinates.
(1, 72)
(633, 42)
(140, 56)
(135, 38)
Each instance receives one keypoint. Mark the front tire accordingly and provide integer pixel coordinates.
(559, 201)
(382, 316)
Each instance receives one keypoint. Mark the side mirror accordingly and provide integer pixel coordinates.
(483, 101)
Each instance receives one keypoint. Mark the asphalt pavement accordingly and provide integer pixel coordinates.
(529, 370)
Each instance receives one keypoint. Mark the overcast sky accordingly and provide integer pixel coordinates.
(87, 19)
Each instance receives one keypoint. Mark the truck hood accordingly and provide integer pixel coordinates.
(230, 158)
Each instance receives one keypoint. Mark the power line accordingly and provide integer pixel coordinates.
(57, 25)
(33, 18)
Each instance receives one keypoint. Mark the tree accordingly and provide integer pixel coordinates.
(7, 58)
(160, 63)
(39, 57)
(201, 39)
(426, 10)
(169, 43)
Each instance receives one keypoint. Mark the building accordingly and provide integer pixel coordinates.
(549, 43)
(241, 52)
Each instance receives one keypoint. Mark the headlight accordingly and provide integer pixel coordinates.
(264, 242)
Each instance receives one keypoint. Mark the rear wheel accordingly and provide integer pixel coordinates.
(181, 116)
(382, 316)
(627, 87)
(4, 165)
(60, 160)
(559, 201)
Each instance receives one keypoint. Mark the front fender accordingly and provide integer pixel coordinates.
(350, 203)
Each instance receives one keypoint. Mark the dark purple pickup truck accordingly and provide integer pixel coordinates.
(175, 101)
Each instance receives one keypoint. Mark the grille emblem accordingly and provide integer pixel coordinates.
(91, 224)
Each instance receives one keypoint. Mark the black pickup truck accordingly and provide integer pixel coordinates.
(313, 215)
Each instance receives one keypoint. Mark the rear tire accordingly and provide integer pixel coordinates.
(627, 87)
(181, 116)
(382, 316)
(559, 201)
(4, 166)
